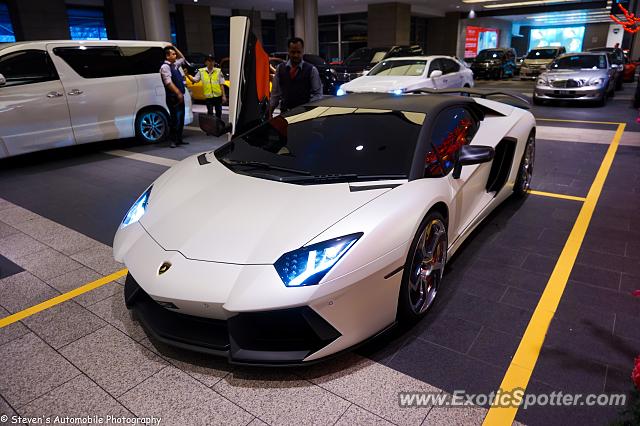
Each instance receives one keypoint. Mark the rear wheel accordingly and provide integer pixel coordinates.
(525, 171)
(152, 126)
(424, 269)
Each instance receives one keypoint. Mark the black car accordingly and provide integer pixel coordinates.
(616, 58)
(495, 63)
(365, 58)
(328, 75)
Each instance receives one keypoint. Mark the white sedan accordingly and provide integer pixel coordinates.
(398, 75)
(322, 227)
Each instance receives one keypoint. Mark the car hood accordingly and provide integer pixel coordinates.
(207, 212)
(376, 83)
(537, 61)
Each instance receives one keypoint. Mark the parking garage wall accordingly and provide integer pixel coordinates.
(595, 35)
(39, 19)
(504, 27)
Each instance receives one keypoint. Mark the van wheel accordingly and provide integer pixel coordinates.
(152, 126)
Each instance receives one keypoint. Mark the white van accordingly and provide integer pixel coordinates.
(61, 93)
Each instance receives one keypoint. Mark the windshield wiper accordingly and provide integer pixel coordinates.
(339, 177)
(264, 166)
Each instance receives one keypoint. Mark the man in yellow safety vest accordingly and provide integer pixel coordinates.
(212, 86)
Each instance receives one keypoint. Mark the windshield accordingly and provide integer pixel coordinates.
(542, 54)
(315, 144)
(490, 54)
(580, 62)
(400, 68)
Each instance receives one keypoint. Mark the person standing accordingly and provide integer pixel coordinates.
(174, 89)
(212, 86)
(296, 82)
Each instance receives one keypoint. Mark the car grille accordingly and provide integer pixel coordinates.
(566, 83)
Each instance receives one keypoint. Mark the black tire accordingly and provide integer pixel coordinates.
(419, 288)
(152, 126)
(536, 100)
(525, 168)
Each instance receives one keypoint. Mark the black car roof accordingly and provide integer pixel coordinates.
(425, 103)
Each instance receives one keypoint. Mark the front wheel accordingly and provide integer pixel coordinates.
(423, 270)
(525, 170)
(152, 126)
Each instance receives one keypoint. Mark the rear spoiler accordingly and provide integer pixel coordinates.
(513, 99)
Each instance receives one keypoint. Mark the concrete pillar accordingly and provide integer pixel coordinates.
(388, 24)
(197, 27)
(119, 19)
(254, 17)
(39, 19)
(282, 31)
(305, 19)
(442, 34)
(155, 15)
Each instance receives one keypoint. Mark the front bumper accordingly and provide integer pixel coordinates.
(279, 337)
(531, 72)
(577, 93)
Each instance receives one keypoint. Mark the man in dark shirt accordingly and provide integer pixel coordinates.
(174, 89)
(296, 82)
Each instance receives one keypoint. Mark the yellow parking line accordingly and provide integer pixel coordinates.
(524, 361)
(555, 195)
(614, 123)
(62, 298)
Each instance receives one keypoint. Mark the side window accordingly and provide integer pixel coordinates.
(453, 128)
(436, 64)
(26, 67)
(94, 62)
(450, 66)
(142, 60)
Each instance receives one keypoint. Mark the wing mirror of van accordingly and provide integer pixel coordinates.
(435, 73)
(3, 80)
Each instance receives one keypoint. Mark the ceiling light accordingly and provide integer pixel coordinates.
(472, 14)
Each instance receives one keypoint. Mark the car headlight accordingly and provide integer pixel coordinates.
(542, 82)
(340, 92)
(307, 265)
(596, 81)
(397, 91)
(137, 209)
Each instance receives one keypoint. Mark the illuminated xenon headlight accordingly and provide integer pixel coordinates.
(137, 209)
(307, 265)
(397, 91)
(340, 92)
(596, 81)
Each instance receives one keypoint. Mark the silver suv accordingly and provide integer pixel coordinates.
(538, 60)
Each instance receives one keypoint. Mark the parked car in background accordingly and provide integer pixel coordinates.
(629, 73)
(399, 75)
(577, 76)
(495, 63)
(62, 93)
(538, 60)
(365, 58)
(616, 61)
(328, 74)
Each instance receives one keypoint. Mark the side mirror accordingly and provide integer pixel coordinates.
(435, 73)
(472, 154)
(3, 80)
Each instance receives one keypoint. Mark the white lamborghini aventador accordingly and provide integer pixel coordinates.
(322, 227)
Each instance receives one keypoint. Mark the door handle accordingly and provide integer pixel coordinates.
(54, 94)
(75, 92)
